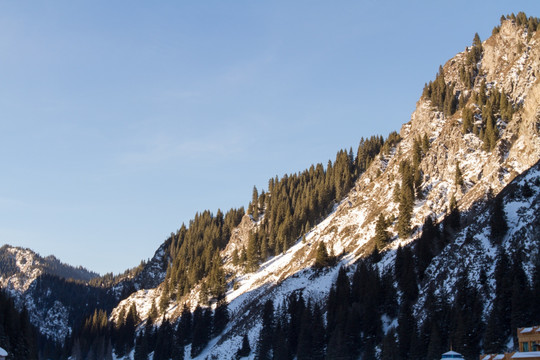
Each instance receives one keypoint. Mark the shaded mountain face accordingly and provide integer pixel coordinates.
(59, 297)
(471, 145)
(28, 278)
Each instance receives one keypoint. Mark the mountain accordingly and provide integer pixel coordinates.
(23, 275)
(59, 297)
(474, 131)
(445, 211)
(20, 267)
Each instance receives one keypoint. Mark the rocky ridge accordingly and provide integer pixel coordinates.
(511, 61)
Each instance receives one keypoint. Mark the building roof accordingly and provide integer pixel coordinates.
(3, 352)
(529, 330)
(526, 355)
(451, 355)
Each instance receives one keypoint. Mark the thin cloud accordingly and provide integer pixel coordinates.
(162, 149)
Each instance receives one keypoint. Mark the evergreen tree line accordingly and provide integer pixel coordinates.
(469, 71)
(528, 23)
(109, 279)
(79, 299)
(444, 97)
(406, 193)
(494, 104)
(359, 305)
(194, 255)
(99, 339)
(17, 336)
(295, 329)
(353, 327)
(442, 94)
(169, 339)
(296, 202)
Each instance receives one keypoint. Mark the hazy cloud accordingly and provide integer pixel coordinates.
(163, 148)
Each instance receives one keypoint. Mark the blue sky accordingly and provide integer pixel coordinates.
(120, 120)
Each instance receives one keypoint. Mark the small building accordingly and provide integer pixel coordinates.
(529, 346)
(3, 354)
(451, 355)
(529, 339)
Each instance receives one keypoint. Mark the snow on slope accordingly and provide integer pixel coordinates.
(25, 267)
(348, 230)
(20, 269)
(479, 253)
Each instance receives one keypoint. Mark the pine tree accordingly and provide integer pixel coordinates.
(521, 297)
(235, 257)
(425, 144)
(243, 257)
(475, 54)
(382, 236)
(322, 259)
(153, 313)
(450, 102)
(280, 346)
(217, 285)
(305, 336)
(506, 107)
(406, 200)
(397, 193)
(141, 347)
(318, 333)
(184, 327)
(435, 345)
(255, 204)
(266, 335)
(494, 334)
(425, 247)
(163, 349)
(491, 133)
(221, 315)
(245, 349)
(389, 348)
(535, 293)
(406, 330)
(452, 221)
(202, 324)
(417, 153)
(482, 97)
(253, 252)
(76, 353)
(498, 223)
(458, 177)
(404, 270)
(165, 297)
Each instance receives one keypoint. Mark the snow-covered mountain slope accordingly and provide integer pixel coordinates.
(473, 251)
(148, 275)
(20, 267)
(521, 202)
(510, 63)
(59, 296)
